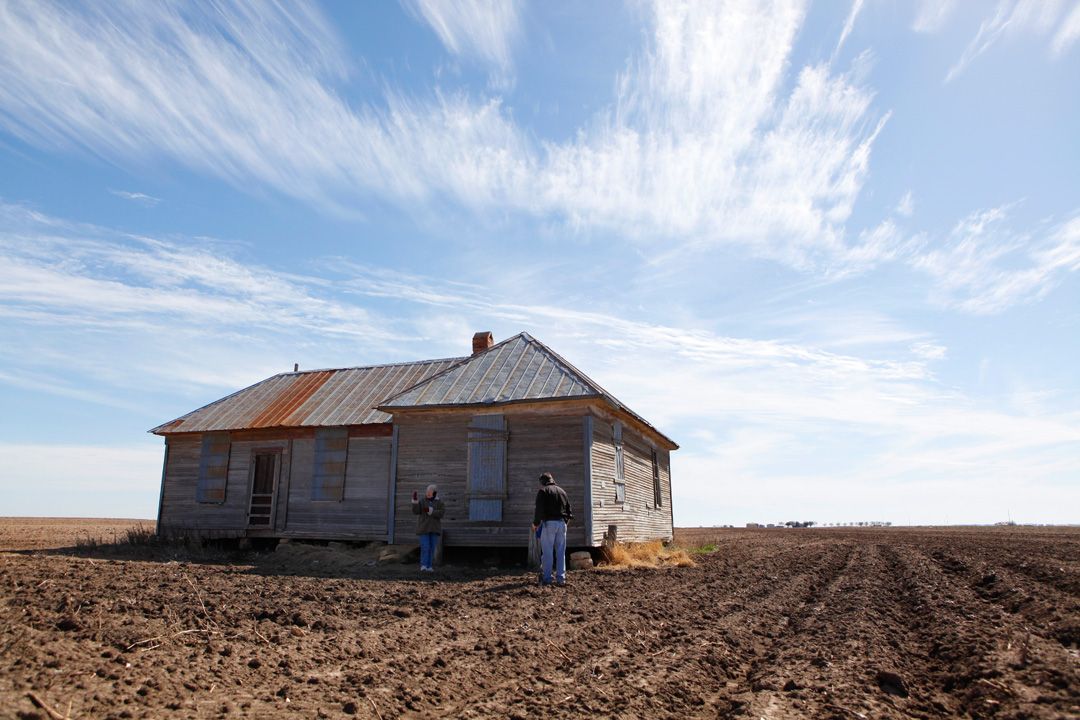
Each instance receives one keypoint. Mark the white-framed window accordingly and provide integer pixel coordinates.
(620, 464)
(657, 490)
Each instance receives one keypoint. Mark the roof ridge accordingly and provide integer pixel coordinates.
(370, 367)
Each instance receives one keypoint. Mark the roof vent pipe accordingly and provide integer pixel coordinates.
(296, 367)
(481, 341)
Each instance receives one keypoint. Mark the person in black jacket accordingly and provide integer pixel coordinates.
(551, 515)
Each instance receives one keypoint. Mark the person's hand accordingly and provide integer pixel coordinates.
(415, 497)
(534, 527)
(430, 510)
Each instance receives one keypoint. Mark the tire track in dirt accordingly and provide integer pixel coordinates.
(1049, 612)
(1061, 576)
(672, 658)
(1014, 671)
(791, 589)
(848, 657)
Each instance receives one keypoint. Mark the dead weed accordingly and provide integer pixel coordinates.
(647, 554)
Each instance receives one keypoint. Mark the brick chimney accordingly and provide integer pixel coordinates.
(481, 341)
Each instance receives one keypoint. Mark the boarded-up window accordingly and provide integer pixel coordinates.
(657, 491)
(213, 468)
(620, 464)
(331, 454)
(487, 467)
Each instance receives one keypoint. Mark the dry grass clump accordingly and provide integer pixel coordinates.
(142, 542)
(647, 554)
(138, 536)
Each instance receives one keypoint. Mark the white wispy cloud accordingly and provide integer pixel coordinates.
(708, 138)
(849, 25)
(704, 146)
(136, 197)
(1011, 17)
(984, 266)
(883, 243)
(159, 300)
(932, 15)
(929, 351)
(906, 206)
(1068, 32)
(483, 29)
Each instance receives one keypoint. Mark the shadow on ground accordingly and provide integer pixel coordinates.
(369, 561)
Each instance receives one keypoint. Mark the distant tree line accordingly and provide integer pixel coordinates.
(862, 523)
(812, 523)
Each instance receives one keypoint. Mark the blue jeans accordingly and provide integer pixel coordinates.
(553, 549)
(428, 542)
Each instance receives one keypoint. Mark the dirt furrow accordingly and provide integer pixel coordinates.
(999, 664)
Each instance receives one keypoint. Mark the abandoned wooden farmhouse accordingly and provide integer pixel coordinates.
(337, 454)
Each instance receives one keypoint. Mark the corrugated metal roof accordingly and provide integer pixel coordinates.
(316, 398)
(518, 369)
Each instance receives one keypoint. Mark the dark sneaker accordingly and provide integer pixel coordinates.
(560, 583)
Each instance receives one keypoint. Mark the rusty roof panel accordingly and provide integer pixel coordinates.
(280, 409)
(316, 398)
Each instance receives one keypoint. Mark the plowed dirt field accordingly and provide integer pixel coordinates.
(825, 623)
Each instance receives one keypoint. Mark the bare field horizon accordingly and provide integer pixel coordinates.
(18, 532)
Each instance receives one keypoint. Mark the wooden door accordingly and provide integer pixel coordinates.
(264, 474)
(487, 468)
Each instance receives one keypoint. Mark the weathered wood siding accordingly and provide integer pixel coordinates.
(545, 444)
(361, 513)
(180, 510)
(434, 449)
(638, 518)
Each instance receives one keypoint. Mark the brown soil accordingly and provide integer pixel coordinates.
(784, 623)
(29, 533)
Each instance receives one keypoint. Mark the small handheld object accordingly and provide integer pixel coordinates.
(415, 497)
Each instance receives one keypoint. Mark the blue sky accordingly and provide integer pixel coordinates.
(831, 249)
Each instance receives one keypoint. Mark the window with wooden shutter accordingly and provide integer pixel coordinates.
(658, 494)
(487, 467)
(331, 454)
(213, 468)
(620, 464)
